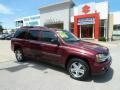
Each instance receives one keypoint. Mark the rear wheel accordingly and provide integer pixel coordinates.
(78, 69)
(19, 55)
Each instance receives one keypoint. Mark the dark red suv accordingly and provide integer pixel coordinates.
(62, 48)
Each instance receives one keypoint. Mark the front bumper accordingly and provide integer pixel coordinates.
(101, 68)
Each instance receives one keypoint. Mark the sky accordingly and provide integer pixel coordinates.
(13, 9)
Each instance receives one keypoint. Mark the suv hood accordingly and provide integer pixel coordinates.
(91, 46)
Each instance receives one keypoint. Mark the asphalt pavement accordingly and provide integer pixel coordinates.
(35, 75)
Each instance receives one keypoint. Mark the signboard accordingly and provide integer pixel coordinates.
(92, 7)
(86, 21)
(86, 9)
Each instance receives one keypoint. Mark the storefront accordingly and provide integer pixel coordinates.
(87, 21)
(87, 26)
(91, 20)
(83, 20)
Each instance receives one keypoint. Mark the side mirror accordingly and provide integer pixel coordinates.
(55, 41)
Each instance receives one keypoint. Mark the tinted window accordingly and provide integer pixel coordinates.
(17, 33)
(34, 35)
(22, 34)
(47, 36)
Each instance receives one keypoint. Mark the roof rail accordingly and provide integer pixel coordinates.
(27, 27)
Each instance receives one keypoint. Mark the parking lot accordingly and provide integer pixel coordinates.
(34, 75)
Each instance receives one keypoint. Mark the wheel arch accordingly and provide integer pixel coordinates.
(17, 47)
(79, 57)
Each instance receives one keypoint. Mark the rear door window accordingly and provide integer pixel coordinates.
(47, 36)
(34, 35)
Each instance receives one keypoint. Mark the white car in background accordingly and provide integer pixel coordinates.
(2, 36)
(116, 35)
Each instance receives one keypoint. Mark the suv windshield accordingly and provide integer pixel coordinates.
(68, 36)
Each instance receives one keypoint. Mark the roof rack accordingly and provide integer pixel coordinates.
(27, 27)
(33, 27)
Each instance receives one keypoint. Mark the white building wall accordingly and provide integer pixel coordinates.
(102, 8)
(116, 16)
(57, 13)
(56, 16)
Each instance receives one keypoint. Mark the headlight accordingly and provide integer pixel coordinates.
(101, 57)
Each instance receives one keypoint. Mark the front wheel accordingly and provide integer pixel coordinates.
(19, 55)
(78, 69)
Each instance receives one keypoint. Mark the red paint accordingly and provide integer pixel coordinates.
(60, 52)
(97, 24)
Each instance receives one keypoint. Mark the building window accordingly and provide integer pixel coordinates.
(72, 27)
(102, 31)
(35, 18)
(35, 23)
(103, 27)
(19, 23)
(116, 27)
(26, 19)
(55, 25)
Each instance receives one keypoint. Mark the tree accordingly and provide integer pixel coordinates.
(1, 29)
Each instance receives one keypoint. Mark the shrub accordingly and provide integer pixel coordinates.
(102, 39)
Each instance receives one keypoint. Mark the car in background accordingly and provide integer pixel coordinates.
(61, 47)
(9, 37)
(116, 35)
(6, 36)
(0, 35)
(3, 36)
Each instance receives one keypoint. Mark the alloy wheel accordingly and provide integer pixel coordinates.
(19, 55)
(77, 70)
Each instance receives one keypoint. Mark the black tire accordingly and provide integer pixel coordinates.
(20, 57)
(79, 73)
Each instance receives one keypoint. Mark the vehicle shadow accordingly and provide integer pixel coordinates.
(96, 78)
(32, 64)
(43, 66)
(102, 78)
